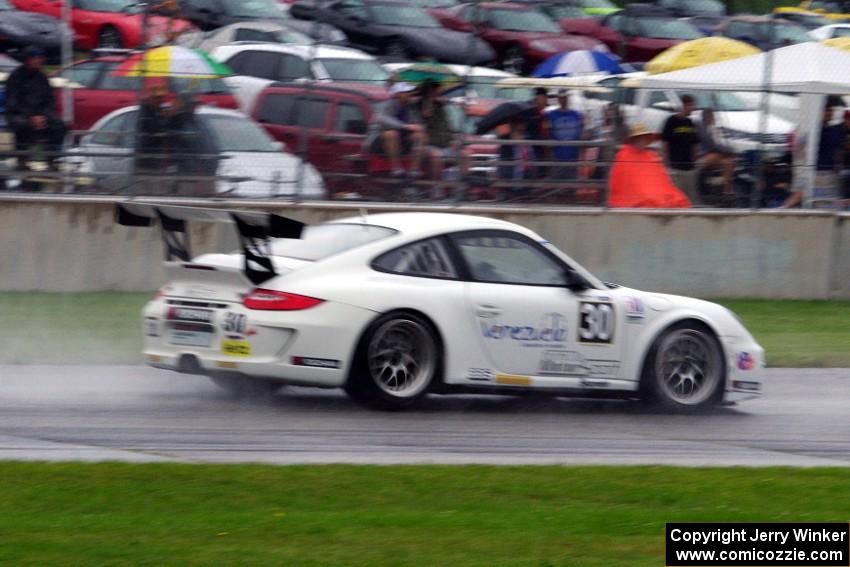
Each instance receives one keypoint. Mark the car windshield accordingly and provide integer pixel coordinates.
(720, 101)
(522, 21)
(355, 70)
(604, 4)
(832, 7)
(292, 36)
(435, 3)
(565, 11)
(252, 8)
(237, 134)
(840, 32)
(706, 7)
(664, 28)
(397, 15)
(789, 33)
(319, 242)
(126, 6)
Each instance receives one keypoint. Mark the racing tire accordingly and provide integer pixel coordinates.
(514, 60)
(240, 386)
(684, 369)
(109, 37)
(396, 362)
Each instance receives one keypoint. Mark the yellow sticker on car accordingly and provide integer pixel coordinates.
(236, 348)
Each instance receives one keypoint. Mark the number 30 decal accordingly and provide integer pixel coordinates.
(597, 323)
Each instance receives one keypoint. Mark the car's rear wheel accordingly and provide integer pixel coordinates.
(685, 369)
(395, 363)
(109, 37)
(245, 386)
(514, 60)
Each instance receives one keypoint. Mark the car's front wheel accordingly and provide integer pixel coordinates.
(395, 363)
(109, 38)
(684, 369)
(514, 60)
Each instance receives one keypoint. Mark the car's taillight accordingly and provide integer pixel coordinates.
(270, 300)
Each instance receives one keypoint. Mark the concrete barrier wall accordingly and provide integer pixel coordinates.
(72, 244)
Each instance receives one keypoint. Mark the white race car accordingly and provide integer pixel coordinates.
(393, 306)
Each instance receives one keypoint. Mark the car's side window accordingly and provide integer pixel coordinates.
(246, 34)
(426, 258)
(500, 257)
(116, 132)
(277, 109)
(262, 64)
(312, 113)
(350, 119)
(293, 67)
(84, 74)
(109, 81)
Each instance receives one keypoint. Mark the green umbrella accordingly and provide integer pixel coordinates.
(441, 74)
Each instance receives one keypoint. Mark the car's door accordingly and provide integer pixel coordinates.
(526, 319)
(112, 92)
(109, 144)
(85, 74)
(276, 113)
(345, 137)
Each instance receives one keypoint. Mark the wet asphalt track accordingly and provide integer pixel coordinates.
(135, 413)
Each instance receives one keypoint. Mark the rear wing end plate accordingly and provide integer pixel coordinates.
(255, 230)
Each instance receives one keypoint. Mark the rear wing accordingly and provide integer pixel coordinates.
(254, 229)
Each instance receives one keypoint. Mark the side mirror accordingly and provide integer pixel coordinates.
(573, 281)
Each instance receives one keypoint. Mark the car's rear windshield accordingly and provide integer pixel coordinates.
(354, 70)
(664, 28)
(320, 241)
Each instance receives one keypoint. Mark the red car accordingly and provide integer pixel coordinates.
(102, 92)
(109, 23)
(521, 35)
(639, 33)
(336, 117)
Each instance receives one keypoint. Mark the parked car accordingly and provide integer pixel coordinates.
(109, 23)
(522, 36)
(830, 31)
(258, 65)
(19, 29)
(261, 32)
(246, 151)
(97, 91)
(212, 14)
(705, 15)
(836, 10)
(398, 30)
(764, 32)
(641, 31)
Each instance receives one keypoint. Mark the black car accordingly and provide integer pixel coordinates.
(397, 29)
(211, 14)
(19, 29)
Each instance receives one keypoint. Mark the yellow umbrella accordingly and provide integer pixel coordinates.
(699, 52)
(842, 43)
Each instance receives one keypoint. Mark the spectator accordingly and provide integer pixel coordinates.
(30, 108)
(194, 153)
(152, 129)
(520, 154)
(845, 150)
(442, 147)
(565, 125)
(399, 133)
(830, 157)
(537, 128)
(716, 153)
(680, 144)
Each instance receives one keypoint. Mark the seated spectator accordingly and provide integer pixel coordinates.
(30, 108)
(638, 177)
(715, 152)
(399, 133)
(443, 149)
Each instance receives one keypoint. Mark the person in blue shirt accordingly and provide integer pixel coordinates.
(566, 125)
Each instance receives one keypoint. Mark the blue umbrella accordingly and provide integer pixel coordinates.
(580, 62)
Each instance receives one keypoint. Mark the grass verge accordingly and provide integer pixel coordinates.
(104, 328)
(96, 514)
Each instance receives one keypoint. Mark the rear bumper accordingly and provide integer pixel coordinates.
(311, 347)
(745, 364)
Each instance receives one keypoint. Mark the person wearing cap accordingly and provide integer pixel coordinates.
(565, 125)
(638, 177)
(399, 132)
(31, 107)
(537, 128)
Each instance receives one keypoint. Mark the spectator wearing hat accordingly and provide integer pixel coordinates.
(30, 107)
(399, 131)
(537, 128)
(565, 125)
(681, 141)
